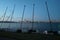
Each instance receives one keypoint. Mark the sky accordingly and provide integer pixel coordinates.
(40, 12)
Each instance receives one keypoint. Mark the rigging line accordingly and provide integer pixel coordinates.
(12, 13)
(5, 13)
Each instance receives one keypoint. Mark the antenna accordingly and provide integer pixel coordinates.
(48, 14)
(22, 16)
(4, 16)
(12, 15)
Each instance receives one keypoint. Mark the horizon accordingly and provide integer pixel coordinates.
(28, 21)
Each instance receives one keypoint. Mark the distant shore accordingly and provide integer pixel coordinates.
(27, 21)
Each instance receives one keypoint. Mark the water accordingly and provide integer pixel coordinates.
(42, 26)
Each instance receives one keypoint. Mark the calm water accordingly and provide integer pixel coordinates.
(26, 26)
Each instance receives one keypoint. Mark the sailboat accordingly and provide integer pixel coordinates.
(21, 24)
(51, 30)
(32, 30)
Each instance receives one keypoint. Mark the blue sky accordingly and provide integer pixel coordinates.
(40, 9)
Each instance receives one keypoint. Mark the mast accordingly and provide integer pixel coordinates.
(4, 16)
(12, 15)
(48, 15)
(33, 16)
(5, 13)
(22, 16)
